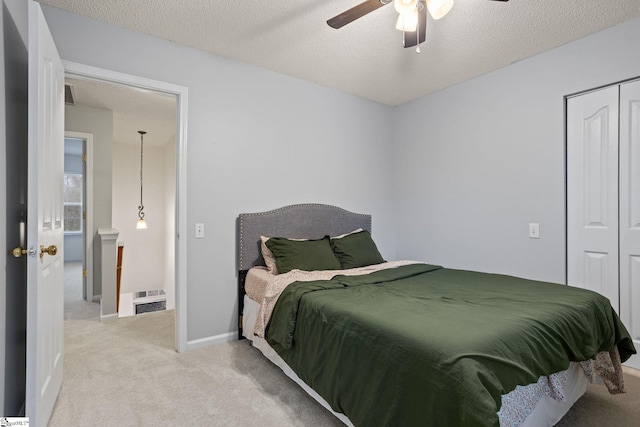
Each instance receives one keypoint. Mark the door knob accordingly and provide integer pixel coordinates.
(51, 250)
(18, 251)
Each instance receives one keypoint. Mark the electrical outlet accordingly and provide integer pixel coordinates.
(199, 231)
(534, 230)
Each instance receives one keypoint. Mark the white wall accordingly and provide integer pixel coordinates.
(257, 140)
(475, 163)
(144, 253)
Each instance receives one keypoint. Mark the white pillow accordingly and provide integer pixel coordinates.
(346, 234)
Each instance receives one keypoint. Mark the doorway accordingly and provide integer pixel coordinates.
(79, 301)
(169, 216)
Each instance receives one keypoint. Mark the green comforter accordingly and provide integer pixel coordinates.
(421, 345)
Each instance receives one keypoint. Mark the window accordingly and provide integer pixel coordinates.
(72, 203)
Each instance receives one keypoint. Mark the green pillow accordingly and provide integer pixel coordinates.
(308, 255)
(356, 250)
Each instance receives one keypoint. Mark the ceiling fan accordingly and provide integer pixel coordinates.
(412, 18)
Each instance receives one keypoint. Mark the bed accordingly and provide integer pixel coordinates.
(408, 343)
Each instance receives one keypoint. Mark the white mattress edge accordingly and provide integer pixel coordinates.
(549, 411)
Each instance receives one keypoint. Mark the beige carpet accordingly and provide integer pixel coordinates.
(599, 408)
(126, 373)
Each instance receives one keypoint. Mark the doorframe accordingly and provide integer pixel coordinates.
(87, 249)
(87, 72)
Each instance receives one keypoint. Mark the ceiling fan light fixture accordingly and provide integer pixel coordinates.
(407, 21)
(439, 8)
(405, 6)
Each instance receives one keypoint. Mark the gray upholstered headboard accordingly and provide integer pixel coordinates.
(310, 221)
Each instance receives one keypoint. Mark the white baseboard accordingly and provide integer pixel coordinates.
(634, 360)
(109, 317)
(206, 342)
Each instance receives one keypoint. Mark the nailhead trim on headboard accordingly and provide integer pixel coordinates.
(311, 220)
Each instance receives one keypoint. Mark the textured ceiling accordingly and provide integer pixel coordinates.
(366, 57)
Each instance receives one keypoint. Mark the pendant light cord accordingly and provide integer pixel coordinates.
(141, 207)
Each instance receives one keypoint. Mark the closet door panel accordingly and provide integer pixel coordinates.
(592, 192)
(630, 207)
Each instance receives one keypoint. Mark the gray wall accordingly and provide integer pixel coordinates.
(475, 163)
(99, 123)
(72, 163)
(257, 140)
(72, 242)
(13, 145)
(72, 247)
(470, 166)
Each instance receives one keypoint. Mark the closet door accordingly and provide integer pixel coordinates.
(592, 192)
(630, 208)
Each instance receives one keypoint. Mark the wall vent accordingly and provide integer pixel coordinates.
(69, 94)
(148, 301)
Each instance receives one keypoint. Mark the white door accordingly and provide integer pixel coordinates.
(592, 192)
(45, 280)
(630, 211)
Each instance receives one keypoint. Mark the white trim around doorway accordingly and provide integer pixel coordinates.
(88, 72)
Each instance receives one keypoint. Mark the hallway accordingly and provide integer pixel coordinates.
(75, 307)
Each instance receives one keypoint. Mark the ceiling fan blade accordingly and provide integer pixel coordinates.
(355, 12)
(412, 38)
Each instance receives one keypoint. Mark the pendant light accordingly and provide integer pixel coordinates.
(141, 224)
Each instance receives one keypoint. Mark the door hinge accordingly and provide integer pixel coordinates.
(84, 273)
(84, 158)
(84, 215)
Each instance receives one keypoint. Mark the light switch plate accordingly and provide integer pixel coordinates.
(534, 230)
(199, 231)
